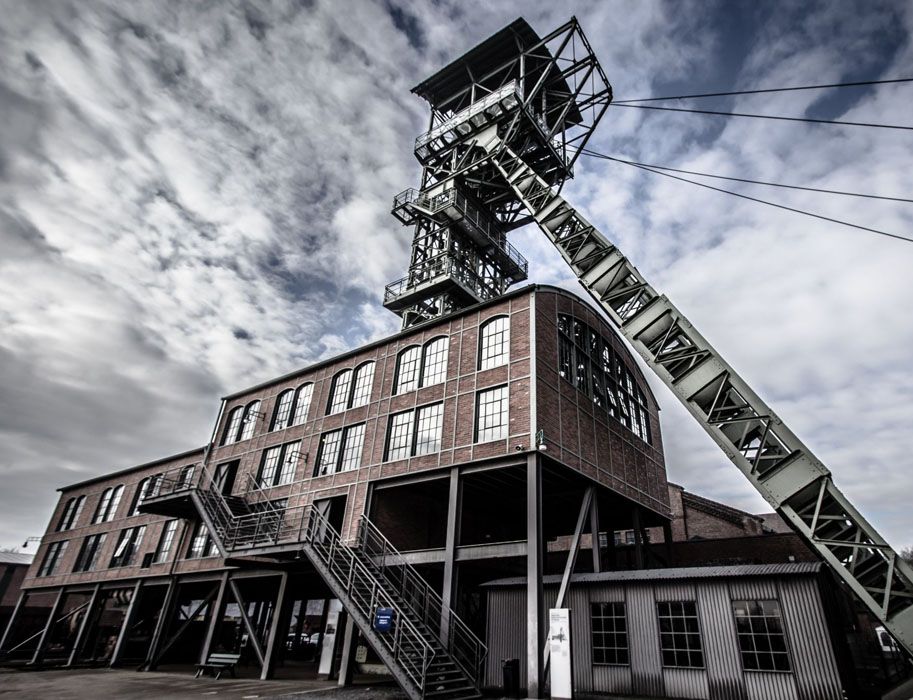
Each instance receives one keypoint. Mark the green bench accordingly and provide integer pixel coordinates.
(217, 664)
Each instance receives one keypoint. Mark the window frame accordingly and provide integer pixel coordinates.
(278, 422)
(166, 541)
(415, 417)
(106, 510)
(341, 447)
(675, 650)
(299, 414)
(503, 357)
(202, 535)
(84, 563)
(71, 512)
(615, 633)
(142, 489)
(53, 556)
(128, 543)
(353, 388)
(278, 469)
(752, 634)
(506, 422)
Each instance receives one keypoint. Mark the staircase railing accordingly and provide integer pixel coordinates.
(366, 592)
(455, 635)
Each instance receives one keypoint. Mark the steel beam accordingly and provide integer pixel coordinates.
(251, 630)
(52, 618)
(280, 620)
(125, 627)
(214, 619)
(77, 643)
(347, 664)
(163, 619)
(594, 534)
(638, 539)
(534, 555)
(454, 508)
(190, 618)
(20, 603)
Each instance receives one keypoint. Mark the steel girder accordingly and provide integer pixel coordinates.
(755, 439)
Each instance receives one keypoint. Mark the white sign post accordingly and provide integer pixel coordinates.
(559, 640)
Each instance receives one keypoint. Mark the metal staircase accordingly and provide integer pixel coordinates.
(430, 651)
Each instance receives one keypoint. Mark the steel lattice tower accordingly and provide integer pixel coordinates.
(542, 97)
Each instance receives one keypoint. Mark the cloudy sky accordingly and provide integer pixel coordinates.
(194, 197)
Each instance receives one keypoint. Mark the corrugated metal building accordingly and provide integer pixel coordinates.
(753, 632)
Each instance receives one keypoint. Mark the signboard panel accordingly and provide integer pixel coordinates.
(559, 640)
(383, 619)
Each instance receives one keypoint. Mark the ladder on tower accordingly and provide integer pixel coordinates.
(766, 451)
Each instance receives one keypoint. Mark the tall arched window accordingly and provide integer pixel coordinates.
(434, 361)
(107, 504)
(302, 403)
(494, 342)
(351, 390)
(422, 366)
(339, 396)
(233, 425)
(251, 414)
(283, 413)
(408, 369)
(364, 380)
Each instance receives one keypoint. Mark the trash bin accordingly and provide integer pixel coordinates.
(510, 674)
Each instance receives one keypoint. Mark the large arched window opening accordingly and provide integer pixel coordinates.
(302, 403)
(283, 412)
(494, 342)
(419, 366)
(351, 389)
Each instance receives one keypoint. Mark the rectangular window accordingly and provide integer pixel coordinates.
(165, 542)
(328, 456)
(610, 633)
(71, 513)
(279, 463)
(340, 450)
(52, 558)
(88, 553)
(352, 442)
(491, 414)
(428, 429)
(201, 544)
(762, 641)
(127, 546)
(680, 635)
(399, 436)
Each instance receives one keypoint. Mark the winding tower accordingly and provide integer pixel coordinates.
(539, 97)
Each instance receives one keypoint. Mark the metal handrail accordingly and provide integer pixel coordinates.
(514, 87)
(408, 645)
(463, 644)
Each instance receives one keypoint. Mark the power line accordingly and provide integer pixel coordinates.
(766, 116)
(770, 204)
(594, 154)
(766, 90)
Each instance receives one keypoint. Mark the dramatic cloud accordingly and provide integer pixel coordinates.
(194, 197)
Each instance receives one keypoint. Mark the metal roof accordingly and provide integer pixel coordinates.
(676, 574)
(16, 558)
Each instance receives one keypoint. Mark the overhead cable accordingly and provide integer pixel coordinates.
(766, 90)
(770, 204)
(766, 116)
(595, 154)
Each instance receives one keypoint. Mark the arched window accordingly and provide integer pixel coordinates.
(349, 392)
(494, 342)
(422, 366)
(408, 369)
(302, 403)
(364, 380)
(251, 414)
(434, 361)
(283, 413)
(233, 426)
(71, 513)
(107, 504)
(339, 396)
(147, 488)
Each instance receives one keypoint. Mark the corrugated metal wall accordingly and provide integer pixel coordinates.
(814, 675)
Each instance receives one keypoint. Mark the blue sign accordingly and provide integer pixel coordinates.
(383, 619)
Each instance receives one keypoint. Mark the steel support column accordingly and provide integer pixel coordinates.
(667, 539)
(280, 620)
(125, 627)
(454, 507)
(20, 603)
(534, 553)
(638, 540)
(347, 665)
(594, 534)
(52, 618)
(80, 635)
(251, 630)
(164, 617)
(214, 619)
